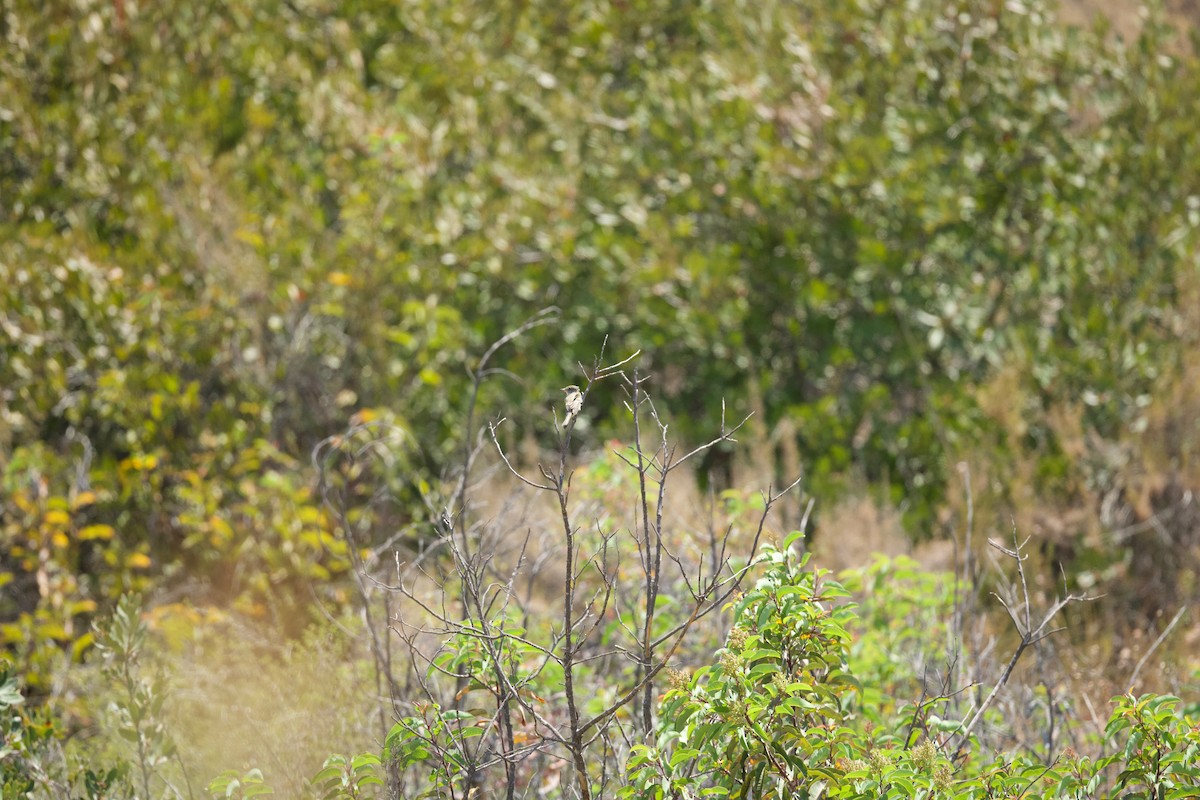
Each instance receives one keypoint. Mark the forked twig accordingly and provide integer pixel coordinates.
(1030, 635)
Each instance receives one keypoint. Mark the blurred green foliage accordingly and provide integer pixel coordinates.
(227, 230)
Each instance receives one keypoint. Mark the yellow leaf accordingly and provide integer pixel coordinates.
(339, 279)
(81, 644)
(96, 532)
(222, 531)
(138, 561)
(58, 518)
(60, 540)
(250, 237)
(51, 630)
(250, 608)
(139, 463)
(23, 502)
(84, 499)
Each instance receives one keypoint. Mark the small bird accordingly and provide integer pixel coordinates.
(574, 403)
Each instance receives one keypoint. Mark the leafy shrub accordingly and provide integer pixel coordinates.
(232, 785)
(781, 714)
(768, 717)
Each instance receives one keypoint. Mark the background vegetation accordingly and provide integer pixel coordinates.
(945, 252)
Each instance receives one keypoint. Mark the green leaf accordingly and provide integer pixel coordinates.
(10, 695)
(328, 773)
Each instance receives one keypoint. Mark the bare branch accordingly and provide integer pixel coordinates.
(1029, 634)
(1161, 638)
(726, 436)
(492, 428)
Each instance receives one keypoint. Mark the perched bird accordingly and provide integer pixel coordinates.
(445, 523)
(574, 402)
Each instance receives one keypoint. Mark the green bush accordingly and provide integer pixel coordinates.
(782, 714)
(768, 717)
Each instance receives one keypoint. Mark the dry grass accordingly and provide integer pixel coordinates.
(243, 698)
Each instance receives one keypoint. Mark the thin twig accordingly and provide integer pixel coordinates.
(1161, 638)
